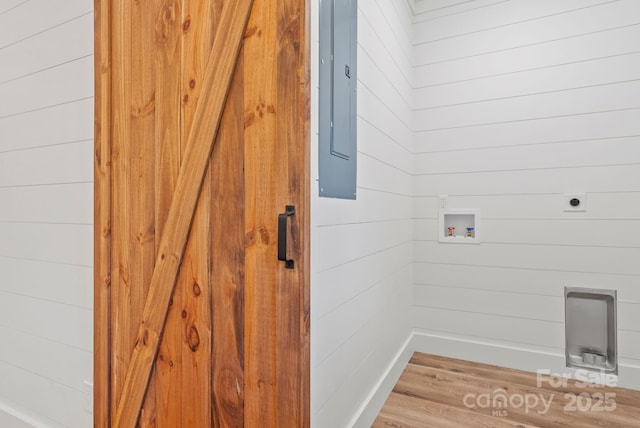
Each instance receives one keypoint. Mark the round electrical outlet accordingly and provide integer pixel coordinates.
(575, 202)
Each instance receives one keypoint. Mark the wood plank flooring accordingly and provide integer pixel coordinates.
(436, 392)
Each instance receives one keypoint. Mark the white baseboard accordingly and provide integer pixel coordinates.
(487, 353)
(511, 357)
(476, 351)
(11, 418)
(368, 412)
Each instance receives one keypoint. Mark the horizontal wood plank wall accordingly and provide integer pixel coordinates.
(362, 250)
(517, 103)
(46, 151)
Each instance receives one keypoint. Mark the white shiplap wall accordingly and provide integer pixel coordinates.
(513, 103)
(362, 250)
(516, 103)
(46, 173)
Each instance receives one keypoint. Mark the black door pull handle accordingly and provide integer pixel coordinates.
(282, 236)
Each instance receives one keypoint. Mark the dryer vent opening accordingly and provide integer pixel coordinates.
(590, 329)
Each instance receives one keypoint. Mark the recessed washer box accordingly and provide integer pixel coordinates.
(590, 329)
(464, 224)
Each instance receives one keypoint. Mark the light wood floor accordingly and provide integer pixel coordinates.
(441, 392)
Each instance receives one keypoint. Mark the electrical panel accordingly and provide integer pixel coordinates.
(338, 99)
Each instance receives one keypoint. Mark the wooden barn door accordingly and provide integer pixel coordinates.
(202, 113)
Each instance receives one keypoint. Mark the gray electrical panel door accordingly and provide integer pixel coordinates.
(338, 115)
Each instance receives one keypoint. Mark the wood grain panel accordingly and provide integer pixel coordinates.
(194, 286)
(151, 119)
(293, 326)
(228, 280)
(276, 172)
(432, 390)
(177, 353)
(119, 319)
(226, 190)
(260, 198)
(220, 67)
(402, 411)
(162, 406)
